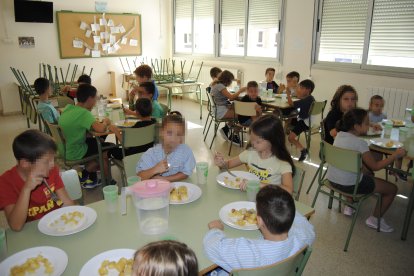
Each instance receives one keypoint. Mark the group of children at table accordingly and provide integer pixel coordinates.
(24, 196)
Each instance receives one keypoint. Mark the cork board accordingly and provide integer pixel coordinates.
(120, 34)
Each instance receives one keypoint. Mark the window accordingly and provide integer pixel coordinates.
(182, 28)
(233, 22)
(204, 26)
(363, 33)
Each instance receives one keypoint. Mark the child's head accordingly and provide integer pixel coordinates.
(143, 73)
(225, 78)
(376, 104)
(345, 98)
(87, 95)
(42, 86)
(355, 120)
(34, 148)
(270, 74)
(275, 209)
(292, 79)
(252, 90)
(165, 258)
(84, 79)
(214, 72)
(146, 89)
(143, 107)
(305, 88)
(172, 131)
(267, 133)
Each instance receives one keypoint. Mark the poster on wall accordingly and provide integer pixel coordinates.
(26, 42)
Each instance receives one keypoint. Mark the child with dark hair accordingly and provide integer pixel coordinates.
(147, 90)
(214, 73)
(270, 83)
(143, 73)
(267, 156)
(171, 159)
(284, 231)
(376, 106)
(72, 92)
(24, 195)
(252, 95)
(292, 80)
(45, 107)
(76, 121)
(303, 92)
(353, 124)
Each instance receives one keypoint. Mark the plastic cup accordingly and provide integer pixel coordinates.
(402, 135)
(3, 244)
(202, 172)
(284, 98)
(111, 197)
(387, 129)
(133, 179)
(252, 188)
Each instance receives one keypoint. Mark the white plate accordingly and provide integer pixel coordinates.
(92, 266)
(130, 123)
(56, 256)
(194, 192)
(381, 142)
(268, 99)
(372, 132)
(226, 219)
(241, 174)
(45, 223)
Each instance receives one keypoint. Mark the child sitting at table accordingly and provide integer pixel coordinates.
(376, 105)
(303, 92)
(143, 108)
(45, 107)
(222, 97)
(76, 121)
(166, 257)
(270, 83)
(252, 95)
(72, 92)
(345, 99)
(147, 90)
(143, 73)
(284, 231)
(353, 124)
(24, 195)
(267, 156)
(292, 80)
(214, 73)
(171, 160)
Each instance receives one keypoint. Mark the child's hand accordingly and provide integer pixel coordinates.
(215, 224)
(401, 152)
(219, 160)
(106, 121)
(376, 127)
(281, 88)
(243, 185)
(34, 179)
(161, 167)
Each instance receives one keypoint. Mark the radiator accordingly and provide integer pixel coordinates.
(396, 100)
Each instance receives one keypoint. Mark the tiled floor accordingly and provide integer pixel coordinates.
(369, 253)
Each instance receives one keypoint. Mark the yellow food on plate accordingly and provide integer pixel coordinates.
(235, 182)
(179, 194)
(398, 122)
(67, 219)
(389, 144)
(128, 123)
(244, 216)
(31, 265)
(123, 266)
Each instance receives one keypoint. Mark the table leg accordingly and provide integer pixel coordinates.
(408, 215)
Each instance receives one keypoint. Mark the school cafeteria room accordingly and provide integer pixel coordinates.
(206, 137)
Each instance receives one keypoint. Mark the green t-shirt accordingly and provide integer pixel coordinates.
(157, 111)
(75, 121)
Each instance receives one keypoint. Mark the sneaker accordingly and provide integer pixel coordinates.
(373, 223)
(236, 140)
(90, 184)
(303, 154)
(83, 176)
(402, 176)
(348, 211)
(224, 134)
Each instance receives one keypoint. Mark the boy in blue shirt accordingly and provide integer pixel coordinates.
(45, 107)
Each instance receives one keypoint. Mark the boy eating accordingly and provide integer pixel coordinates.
(270, 83)
(147, 90)
(45, 107)
(252, 95)
(292, 79)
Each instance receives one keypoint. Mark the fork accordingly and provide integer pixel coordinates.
(55, 198)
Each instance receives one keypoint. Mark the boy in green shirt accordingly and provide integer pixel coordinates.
(147, 90)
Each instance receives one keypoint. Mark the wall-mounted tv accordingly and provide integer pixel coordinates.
(33, 11)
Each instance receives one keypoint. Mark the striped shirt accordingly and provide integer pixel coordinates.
(180, 160)
(248, 253)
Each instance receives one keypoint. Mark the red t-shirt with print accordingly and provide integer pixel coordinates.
(40, 203)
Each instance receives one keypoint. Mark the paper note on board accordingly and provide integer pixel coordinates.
(87, 52)
(77, 43)
(96, 53)
(88, 33)
(133, 42)
(95, 27)
(121, 29)
(102, 21)
(116, 47)
(83, 26)
(105, 46)
(112, 39)
(96, 39)
(110, 23)
(110, 50)
(124, 41)
(115, 30)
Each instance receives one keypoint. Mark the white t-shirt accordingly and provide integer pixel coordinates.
(349, 141)
(269, 170)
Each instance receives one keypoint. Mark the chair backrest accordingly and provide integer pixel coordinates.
(134, 137)
(57, 134)
(165, 109)
(130, 163)
(244, 108)
(316, 109)
(72, 185)
(63, 101)
(208, 89)
(294, 265)
(297, 182)
(322, 126)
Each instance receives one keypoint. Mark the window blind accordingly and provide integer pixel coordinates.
(233, 13)
(183, 9)
(203, 9)
(264, 13)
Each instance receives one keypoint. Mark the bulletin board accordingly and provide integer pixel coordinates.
(119, 34)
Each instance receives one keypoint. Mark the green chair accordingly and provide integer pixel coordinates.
(297, 182)
(294, 265)
(322, 131)
(209, 109)
(130, 163)
(72, 185)
(349, 161)
(133, 137)
(317, 108)
(63, 101)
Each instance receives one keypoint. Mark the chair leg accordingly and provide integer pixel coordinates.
(331, 199)
(205, 125)
(231, 140)
(340, 203)
(316, 195)
(352, 226)
(208, 129)
(216, 125)
(313, 180)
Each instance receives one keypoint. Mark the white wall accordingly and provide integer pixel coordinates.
(155, 43)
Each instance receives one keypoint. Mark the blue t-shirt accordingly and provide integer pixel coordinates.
(376, 118)
(156, 93)
(48, 112)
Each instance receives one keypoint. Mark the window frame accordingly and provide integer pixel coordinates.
(363, 67)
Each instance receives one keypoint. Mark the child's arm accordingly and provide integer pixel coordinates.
(101, 127)
(289, 97)
(116, 131)
(232, 96)
(129, 112)
(375, 165)
(158, 169)
(287, 182)
(222, 163)
(172, 178)
(64, 197)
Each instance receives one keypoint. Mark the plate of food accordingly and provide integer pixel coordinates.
(239, 215)
(183, 193)
(397, 123)
(67, 220)
(372, 132)
(126, 123)
(386, 143)
(36, 261)
(268, 99)
(112, 262)
(231, 182)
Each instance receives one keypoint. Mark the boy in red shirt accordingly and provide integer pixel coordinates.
(24, 196)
